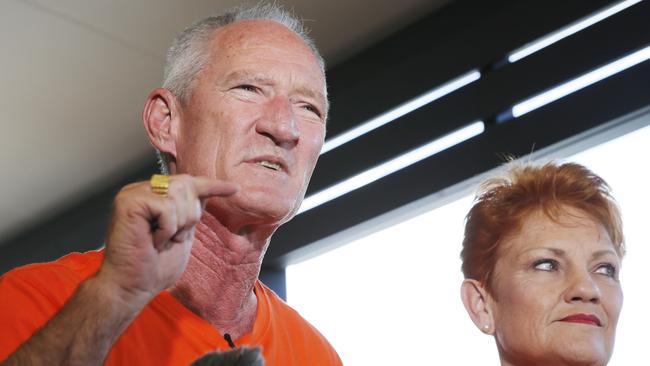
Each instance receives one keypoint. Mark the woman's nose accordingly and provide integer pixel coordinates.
(582, 287)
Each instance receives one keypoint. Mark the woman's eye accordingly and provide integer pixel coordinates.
(546, 265)
(606, 269)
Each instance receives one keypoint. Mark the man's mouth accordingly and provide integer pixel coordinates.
(270, 165)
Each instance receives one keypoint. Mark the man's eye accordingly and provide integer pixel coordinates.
(312, 109)
(546, 265)
(606, 269)
(247, 87)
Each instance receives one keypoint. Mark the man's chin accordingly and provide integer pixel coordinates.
(261, 207)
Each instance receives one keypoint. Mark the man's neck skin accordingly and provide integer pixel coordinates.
(218, 281)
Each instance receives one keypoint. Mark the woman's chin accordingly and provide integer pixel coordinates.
(571, 354)
(569, 350)
(575, 354)
(583, 347)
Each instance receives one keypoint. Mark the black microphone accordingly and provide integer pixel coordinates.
(237, 356)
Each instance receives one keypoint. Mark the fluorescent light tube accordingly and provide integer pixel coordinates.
(392, 165)
(401, 110)
(570, 29)
(580, 82)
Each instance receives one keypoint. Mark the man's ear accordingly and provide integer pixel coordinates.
(478, 305)
(161, 118)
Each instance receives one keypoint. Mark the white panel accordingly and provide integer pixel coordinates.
(340, 27)
(393, 297)
(623, 164)
(146, 25)
(71, 103)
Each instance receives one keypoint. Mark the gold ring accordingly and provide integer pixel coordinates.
(159, 184)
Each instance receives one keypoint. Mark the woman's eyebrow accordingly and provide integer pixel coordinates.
(603, 253)
(557, 251)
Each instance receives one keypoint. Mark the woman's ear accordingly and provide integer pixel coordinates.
(478, 306)
(161, 118)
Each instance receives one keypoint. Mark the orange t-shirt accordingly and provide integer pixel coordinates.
(165, 332)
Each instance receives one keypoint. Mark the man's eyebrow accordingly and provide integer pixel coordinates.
(244, 75)
(312, 93)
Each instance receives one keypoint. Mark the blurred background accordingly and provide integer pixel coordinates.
(428, 97)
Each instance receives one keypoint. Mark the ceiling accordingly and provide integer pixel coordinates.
(75, 74)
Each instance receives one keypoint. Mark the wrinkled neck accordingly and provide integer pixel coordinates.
(220, 276)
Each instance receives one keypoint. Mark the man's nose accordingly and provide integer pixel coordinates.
(582, 287)
(279, 122)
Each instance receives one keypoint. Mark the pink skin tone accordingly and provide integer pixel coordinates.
(262, 98)
(256, 118)
(556, 295)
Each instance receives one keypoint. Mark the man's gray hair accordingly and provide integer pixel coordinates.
(189, 53)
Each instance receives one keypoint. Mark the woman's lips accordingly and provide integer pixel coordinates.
(583, 319)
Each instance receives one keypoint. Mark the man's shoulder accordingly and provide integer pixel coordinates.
(64, 273)
(289, 317)
(279, 308)
(306, 342)
(30, 295)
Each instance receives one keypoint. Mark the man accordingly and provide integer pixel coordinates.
(240, 124)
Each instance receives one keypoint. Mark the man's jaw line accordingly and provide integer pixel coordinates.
(239, 222)
(247, 238)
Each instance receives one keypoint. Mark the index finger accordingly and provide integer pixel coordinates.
(208, 187)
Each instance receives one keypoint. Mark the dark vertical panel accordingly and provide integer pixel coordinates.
(276, 280)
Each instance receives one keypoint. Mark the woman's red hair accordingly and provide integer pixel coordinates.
(504, 202)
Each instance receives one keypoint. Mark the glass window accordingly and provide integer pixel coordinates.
(392, 297)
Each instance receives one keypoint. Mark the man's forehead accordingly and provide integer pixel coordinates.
(235, 41)
(257, 31)
(262, 37)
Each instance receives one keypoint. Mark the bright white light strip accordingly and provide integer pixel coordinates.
(401, 110)
(392, 166)
(572, 28)
(580, 82)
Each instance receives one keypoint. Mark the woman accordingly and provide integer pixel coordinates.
(541, 258)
